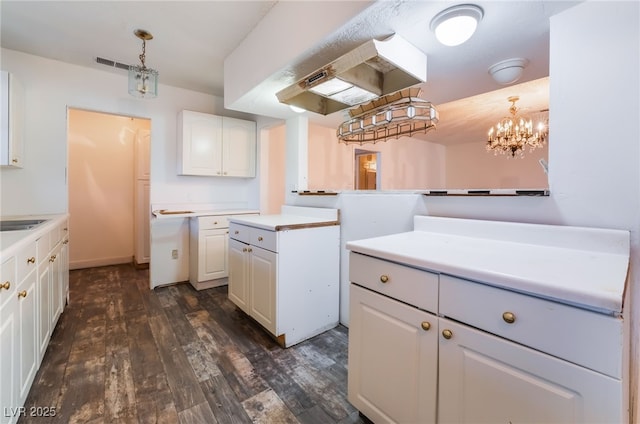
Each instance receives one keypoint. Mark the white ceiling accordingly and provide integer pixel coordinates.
(192, 39)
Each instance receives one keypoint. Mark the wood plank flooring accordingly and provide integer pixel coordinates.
(122, 353)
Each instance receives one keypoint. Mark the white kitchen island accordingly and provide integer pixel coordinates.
(472, 321)
(284, 271)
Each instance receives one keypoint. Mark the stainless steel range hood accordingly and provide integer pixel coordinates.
(374, 69)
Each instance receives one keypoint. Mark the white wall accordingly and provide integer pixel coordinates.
(41, 186)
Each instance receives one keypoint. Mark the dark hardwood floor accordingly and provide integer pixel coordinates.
(123, 353)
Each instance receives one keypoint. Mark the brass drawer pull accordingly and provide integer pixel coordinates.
(31, 260)
(509, 317)
(52, 258)
(447, 334)
(260, 238)
(23, 293)
(426, 326)
(6, 285)
(384, 278)
(244, 249)
(236, 232)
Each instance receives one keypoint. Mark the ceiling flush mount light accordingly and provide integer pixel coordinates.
(143, 81)
(392, 116)
(508, 71)
(455, 25)
(513, 134)
(374, 69)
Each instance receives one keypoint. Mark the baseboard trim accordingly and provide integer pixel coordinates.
(92, 263)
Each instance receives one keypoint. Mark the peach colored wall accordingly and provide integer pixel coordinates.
(469, 165)
(272, 173)
(101, 184)
(406, 163)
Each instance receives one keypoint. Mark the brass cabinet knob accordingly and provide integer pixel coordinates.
(426, 326)
(244, 249)
(509, 317)
(260, 238)
(31, 260)
(249, 250)
(447, 334)
(52, 258)
(6, 285)
(236, 232)
(384, 278)
(66, 241)
(215, 223)
(14, 160)
(23, 293)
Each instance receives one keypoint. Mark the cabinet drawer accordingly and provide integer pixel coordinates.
(213, 222)
(265, 239)
(413, 286)
(239, 232)
(577, 335)
(26, 261)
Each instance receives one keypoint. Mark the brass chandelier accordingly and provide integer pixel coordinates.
(395, 115)
(513, 134)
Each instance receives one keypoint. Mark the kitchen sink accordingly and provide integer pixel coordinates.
(20, 224)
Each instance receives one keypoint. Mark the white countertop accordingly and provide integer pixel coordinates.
(578, 266)
(187, 213)
(292, 217)
(12, 241)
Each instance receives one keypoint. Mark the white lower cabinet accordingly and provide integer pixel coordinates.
(487, 379)
(209, 251)
(8, 339)
(33, 291)
(482, 355)
(286, 280)
(393, 350)
(26, 315)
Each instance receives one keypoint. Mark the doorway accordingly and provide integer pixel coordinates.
(367, 166)
(109, 184)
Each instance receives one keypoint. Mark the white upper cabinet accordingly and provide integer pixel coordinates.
(12, 118)
(215, 145)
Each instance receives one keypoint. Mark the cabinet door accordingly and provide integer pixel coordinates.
(201, 144)
(44, 308)
(213, 254)
(27, 335)
(8, 357)
(239, 148)
(12, 118)
(56, 289)
(239, 274)
(393, 360)
(486, 379)
(263, 275)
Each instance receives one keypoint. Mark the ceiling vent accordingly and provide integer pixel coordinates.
(111, 63)
(374, 69)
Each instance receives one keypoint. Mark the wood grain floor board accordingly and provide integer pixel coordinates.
(122, 353)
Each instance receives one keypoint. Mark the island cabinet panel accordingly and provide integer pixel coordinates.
(286, 276)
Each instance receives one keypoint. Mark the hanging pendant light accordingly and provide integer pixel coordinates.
(143, 81)
(513, 134)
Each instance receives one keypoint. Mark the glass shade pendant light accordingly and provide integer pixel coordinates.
(143, 81)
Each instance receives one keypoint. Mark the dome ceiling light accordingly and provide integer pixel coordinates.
(508, 71)
(455, 25)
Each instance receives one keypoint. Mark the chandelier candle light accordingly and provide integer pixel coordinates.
(513, 134)
(395, 115)
(143, 81)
